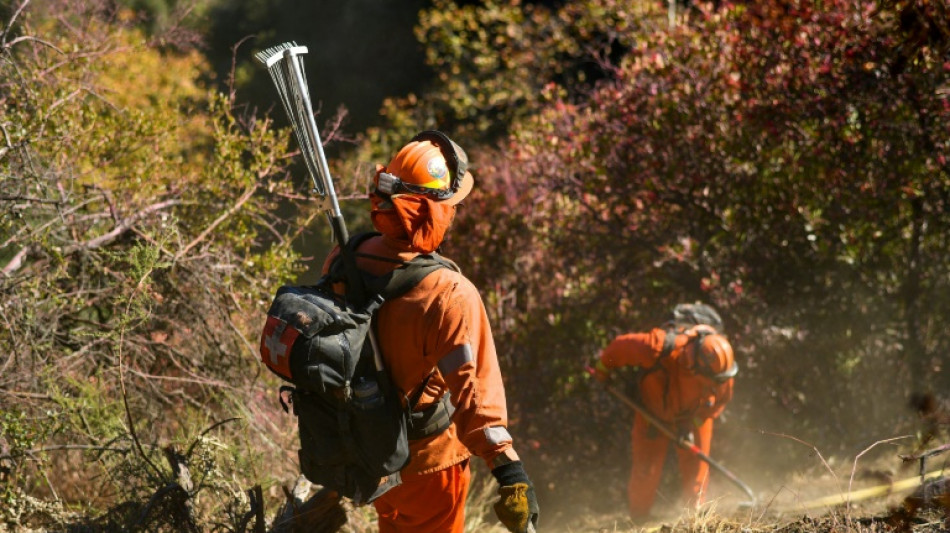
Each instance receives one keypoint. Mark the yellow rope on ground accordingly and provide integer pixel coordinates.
(878, 491)
(863, 494)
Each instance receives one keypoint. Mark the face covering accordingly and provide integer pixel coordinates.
(415, 219)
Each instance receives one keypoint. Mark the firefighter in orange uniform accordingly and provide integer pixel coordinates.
(437, 343)
(685, 372)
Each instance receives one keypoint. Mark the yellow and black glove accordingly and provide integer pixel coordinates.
(517, 506)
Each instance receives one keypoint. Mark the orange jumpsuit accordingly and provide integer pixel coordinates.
(685, 401)
(439, 327)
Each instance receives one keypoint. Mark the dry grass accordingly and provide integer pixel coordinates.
(862, 495)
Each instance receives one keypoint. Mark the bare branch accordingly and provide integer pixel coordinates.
(63, 447)
(22, 394)
(810, 445)
(334, 128)
(250, 349)
(52, 109)
(224, 216)
(151, 240)
(15, 344)
(207, 430)
(869, 448)
(6, 138)
(34, 199)
(208, 382)
(234, 50)
(120, 228)
(16, 262)
(3, 36)
(125, 394)
(54, 220)
(929, 453)
(35, 39)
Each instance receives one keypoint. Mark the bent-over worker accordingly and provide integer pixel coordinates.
(685, 373)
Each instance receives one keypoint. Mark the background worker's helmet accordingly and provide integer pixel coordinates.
(714, 358)
(431, 165)
(689, 315)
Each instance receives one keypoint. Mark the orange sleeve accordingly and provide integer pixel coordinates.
(634, 349)
(464, 352)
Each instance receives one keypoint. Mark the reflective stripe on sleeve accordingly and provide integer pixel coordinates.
(455, 359)
(497, 435)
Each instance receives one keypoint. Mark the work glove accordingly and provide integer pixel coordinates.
(517, 506)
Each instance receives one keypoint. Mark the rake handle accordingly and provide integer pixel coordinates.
(679, 440)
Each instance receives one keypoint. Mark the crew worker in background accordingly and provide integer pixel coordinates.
(685, 378)
(437, 343)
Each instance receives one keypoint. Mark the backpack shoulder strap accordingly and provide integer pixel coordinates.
(407, 276)
(440, 259)
(337, 270)
(395, 283)
(669, 342)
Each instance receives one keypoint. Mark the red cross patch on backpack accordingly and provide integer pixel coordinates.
(277, 339)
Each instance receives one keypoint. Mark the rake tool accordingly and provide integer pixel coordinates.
(285, 64)
(680, 441)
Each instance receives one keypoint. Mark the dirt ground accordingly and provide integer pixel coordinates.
(811, 502)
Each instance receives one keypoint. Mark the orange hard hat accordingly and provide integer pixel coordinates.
(430, 164)
(714, 357)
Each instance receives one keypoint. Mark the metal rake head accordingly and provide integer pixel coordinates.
(275, 53)
(287, 71)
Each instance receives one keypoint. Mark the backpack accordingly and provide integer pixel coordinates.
(689, 316)
(354, 428)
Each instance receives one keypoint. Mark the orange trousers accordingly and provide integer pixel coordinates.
(426, 503)
(649, 456)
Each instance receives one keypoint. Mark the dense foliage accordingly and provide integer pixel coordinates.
(784, 161)
(137, 237)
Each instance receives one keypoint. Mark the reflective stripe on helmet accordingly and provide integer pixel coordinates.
(432, 165)
(390, 184)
